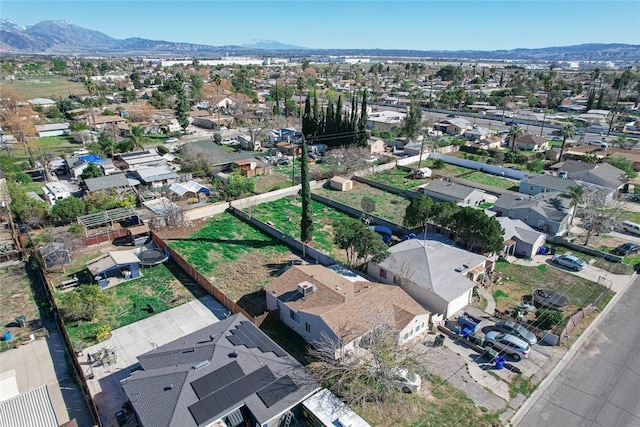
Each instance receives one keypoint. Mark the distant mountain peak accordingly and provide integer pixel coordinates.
(270, 45)
(8, 24)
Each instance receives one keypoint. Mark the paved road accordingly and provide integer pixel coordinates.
(599, 386)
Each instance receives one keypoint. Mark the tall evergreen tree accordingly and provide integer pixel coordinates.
(306, 223)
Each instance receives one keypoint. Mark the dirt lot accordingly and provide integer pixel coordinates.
(19, 298)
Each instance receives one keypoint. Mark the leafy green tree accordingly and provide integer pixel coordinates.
(68, 209)
(182, 110)
(623, 164)
(576, 194)
(306, 222)
(438, 164)
(83, 304)
(450, 73)
(30, 211)
(360, 242)
(568, 131)
(92, 171)
(419, 212)
(514, 133)
(413, 121)
(476, 228)
(137, 136)
(238, 186)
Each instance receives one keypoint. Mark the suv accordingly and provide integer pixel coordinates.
(626, 249)
(406, 381)
(507, 343)
(516, 330)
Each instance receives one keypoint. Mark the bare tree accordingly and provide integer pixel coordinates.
(598, 216)
(366, 374)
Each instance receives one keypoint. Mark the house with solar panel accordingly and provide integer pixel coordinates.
(225, 375)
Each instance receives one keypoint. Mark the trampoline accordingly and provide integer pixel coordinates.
(150, 256)
(550, 299)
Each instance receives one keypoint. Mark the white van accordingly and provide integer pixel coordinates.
(631, 227)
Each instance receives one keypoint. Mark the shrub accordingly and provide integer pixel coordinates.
(548, 318)
(162, 150)
(438, 164)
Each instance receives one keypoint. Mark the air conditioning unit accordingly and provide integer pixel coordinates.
(306, 288)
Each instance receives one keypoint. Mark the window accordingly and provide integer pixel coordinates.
(406, 336)
(383, 273)
(307, 327)
(277, 303)
(294, 316)
(531, 187)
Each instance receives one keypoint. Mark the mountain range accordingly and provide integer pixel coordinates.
(63, 38)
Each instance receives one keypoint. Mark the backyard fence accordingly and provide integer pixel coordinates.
(574, 320)
(388, 188)
(69, 347)
(105, 237)
(556, 240)
(306, 250)
(201, 280)
(357, 213)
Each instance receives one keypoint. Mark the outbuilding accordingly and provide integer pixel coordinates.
(341, 183)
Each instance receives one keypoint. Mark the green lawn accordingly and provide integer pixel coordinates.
(519, 281)
(387, 206)
(285, 215)
(223, 240)
(397, 178)
(494, 181)
(236, 258)
(164, 286)
(46, 87)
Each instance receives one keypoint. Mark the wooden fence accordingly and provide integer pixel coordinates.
(68, 345)
(574, 320)
(105, 237)
(227, 302)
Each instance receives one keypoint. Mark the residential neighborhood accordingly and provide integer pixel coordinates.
(307, 240)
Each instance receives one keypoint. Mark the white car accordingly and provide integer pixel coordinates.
(408, 382)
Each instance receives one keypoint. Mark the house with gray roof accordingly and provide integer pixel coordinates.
(108, 182)
(602, 174)
(519, 238)
(547, 212)
(227, 374)
(447, 191)
(435, 273)
(535, 184)
(155, 176)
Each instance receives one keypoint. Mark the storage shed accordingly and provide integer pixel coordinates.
(341, 183)
(121, 264)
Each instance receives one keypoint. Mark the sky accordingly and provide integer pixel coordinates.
(390, 24)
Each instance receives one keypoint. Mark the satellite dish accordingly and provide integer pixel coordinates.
(368, 205)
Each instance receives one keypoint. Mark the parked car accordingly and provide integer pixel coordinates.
(626, 249)
(507, 343)
(569, 261)
(282, 161)
(517, 330)
(510, 123)
(408, 382)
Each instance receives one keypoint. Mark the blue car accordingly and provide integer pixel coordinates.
(569, 261)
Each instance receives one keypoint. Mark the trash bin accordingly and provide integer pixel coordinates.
(7, 336)
(499, 361)
(458, 330)
(466, 332)
(439, 341)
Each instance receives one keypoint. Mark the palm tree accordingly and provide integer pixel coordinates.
(575, 193)
(137, 135)
(514, 133)
(567, 131)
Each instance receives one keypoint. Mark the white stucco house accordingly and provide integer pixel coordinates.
(438, 275)
(320, 304)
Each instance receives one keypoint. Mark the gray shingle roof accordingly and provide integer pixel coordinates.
(550, 205)
(163, 392)
(549, 181)
(436, 266)
(116, 180)
(596, 173)
(448, 188)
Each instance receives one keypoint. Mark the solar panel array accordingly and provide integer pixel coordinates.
(213, 405)
(277, 390)
(247, 334)
(217, 379)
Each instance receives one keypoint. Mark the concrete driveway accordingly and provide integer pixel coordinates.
(113, 360)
